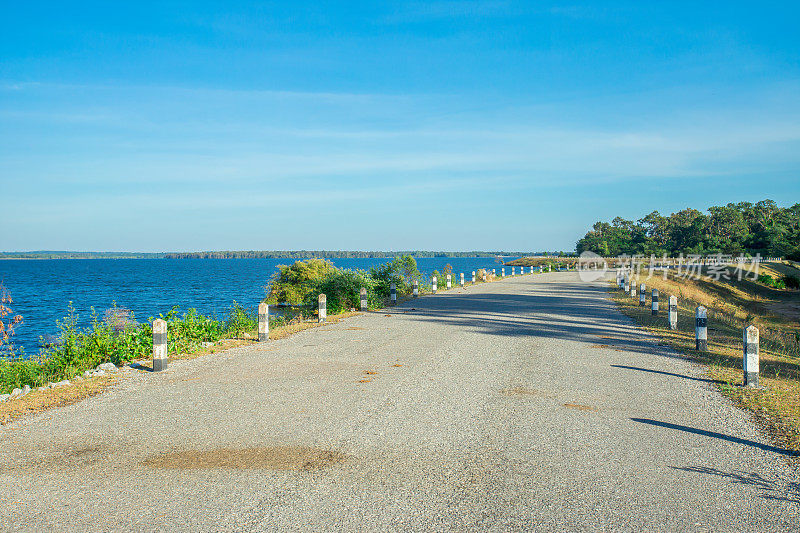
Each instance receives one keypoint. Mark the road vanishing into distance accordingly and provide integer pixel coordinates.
(526, 404)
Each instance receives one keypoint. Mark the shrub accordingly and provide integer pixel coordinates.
(766, 279)
(117, 341)
(239, 321)
(295, 284)
(342, 289)
(401, 271)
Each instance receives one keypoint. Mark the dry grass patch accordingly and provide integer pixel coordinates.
(282, 458)
(579, 407)
(284, 331)
(250, 338)
(38, 401)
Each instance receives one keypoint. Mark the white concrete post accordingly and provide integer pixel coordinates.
(323, 308)
(633, 288)
(159, 345)
(654, 308)
(415, 288)
(462, 279)
(750, 363)
(700, 329)
(484, 276)
(393, 293)
(263, 322)
(626, 284)
(503, 272)
(363, 298)
(549, 268)
(433, 284)
(473, 276)
(541, 269)
(531, 269)
(642, 295)
(449, 282)
(494, 272)
(513, 271)
(673, 312)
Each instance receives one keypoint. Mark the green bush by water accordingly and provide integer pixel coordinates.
(303, 282)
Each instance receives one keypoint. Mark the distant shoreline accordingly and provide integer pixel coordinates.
(253, 254)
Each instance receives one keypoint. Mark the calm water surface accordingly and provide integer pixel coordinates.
(42, 289)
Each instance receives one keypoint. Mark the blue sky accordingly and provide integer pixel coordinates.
(386, 125)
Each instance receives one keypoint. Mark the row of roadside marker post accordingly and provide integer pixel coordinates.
(160, 352)
(627, 282)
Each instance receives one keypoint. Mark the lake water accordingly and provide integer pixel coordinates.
(42, 289)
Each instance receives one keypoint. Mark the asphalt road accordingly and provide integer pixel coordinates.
(530, 403)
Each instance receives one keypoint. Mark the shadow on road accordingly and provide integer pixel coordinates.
(668, 374)
(712, 434)
(771, 489)
(569, 310)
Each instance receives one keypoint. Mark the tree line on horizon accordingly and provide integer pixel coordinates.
(328, 254)
(736, 228)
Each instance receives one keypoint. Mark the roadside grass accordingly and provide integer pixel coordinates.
(250, 337)
(732, 304)
(81, 388)
(39, 401)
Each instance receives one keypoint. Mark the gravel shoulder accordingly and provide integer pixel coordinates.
(530, 403)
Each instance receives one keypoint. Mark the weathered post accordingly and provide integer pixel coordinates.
(626, 284)
(503, 272)
(393, 293)
(159, 345)
(750, 363)
(654, 308)
(700, 329)
(462, 279)
(323, 308)
(672, 309)
(494, 272)
(550, 268)
(449, 284)
(363, 298)
(473, 277)
(484, 276)
(541, 269)
(433, 284)
(633, 287)
(531, 269)
(415, 288)
(263, 322)
(513, 271)
(642, 295)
